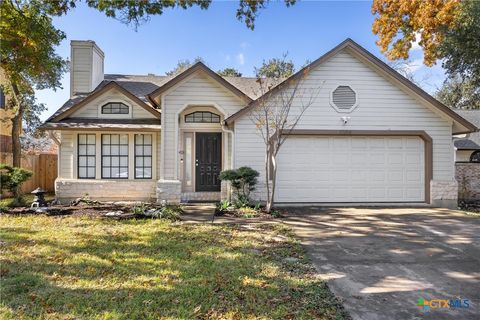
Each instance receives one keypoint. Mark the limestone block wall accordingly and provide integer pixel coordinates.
(444, 193)
(105, 190)
(468, 178)
(169, 191)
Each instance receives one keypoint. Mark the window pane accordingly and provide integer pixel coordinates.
(114, 139)
(106, 173)
(147, 139)
(147, 162)
(106, 138)
(202, 116)
(82, 161)
(91, 150)
(147, 150)
(91, 172)
(115, 150)
(82, 172)
(82, 150)
(106, 162)
(123, 150)
(139, 150)
(91, 139)
(91, 162)
(115, 172)
(147, 173)
(124, 161)
(82, 139)
(124, 139)
(123, 173)
(138, 139)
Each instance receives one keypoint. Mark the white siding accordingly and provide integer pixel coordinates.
(66, 152)
(381, 106)
(197, 90)
(91, 110)
(81, 72)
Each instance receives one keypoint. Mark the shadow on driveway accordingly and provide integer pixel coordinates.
(380, 261)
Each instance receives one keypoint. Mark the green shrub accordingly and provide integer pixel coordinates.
(12, 178)
(243, 181)
(169, 212)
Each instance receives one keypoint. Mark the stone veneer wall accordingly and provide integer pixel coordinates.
(169, 191)
(105, 190)
(468, 178)
(444, 193)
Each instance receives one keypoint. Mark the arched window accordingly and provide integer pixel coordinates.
(115, 108)
(475, 157)
(202, 117)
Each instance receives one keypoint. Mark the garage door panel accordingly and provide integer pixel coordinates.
(351, 169)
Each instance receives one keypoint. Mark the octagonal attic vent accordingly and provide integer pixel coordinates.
(344, 99)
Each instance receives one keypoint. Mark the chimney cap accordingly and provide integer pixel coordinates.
(88, 44)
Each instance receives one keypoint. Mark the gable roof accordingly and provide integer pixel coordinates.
(77, 102)
(356, 48)
(199, 66)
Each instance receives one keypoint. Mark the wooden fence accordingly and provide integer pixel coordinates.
(43, 166)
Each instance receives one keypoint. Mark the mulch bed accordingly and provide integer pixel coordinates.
(473, 206)
(97, 210)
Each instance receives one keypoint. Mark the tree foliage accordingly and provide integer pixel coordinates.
(243, 181)
(276, 68)
(229, 72)
(12, 178)
(461, 47)
(398, 22)
(183, 65)
(138, 12)
(28, 59)
(459, 94)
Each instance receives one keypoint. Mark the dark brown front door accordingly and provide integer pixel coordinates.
(208, 161)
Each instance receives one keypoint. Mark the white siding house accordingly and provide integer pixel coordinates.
(370, 136)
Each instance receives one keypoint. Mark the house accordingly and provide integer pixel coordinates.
(125, 137)
(467, 146)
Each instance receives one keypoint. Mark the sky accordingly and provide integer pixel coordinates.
(305, 31)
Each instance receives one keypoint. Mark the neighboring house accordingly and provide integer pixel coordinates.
(128, 137)
(467, 146)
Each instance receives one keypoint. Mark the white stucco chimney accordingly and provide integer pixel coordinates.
(86, 66)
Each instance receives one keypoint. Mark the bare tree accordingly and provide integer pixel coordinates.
(276, 114)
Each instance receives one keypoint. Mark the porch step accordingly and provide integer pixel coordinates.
(189, 197)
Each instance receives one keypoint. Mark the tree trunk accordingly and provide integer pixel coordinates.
(268, 206)
(17, 129)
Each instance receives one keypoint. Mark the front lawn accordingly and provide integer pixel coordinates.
(84, 267)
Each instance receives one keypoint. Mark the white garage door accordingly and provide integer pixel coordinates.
(351, 169)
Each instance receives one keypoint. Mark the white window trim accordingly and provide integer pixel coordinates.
(334, 106)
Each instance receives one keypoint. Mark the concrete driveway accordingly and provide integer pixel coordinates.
(381, 261)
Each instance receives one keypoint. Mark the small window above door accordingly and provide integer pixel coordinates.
(202, 117)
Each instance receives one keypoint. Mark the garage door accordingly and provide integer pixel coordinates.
(351, 169)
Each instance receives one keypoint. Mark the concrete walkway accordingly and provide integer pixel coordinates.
(198, 213)
(381, 261)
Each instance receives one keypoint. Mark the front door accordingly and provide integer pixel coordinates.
(208, 161)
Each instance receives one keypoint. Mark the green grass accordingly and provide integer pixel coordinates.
(79, 267)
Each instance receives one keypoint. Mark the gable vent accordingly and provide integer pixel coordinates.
(344, 98)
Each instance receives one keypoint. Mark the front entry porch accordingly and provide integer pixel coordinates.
(201, 151)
